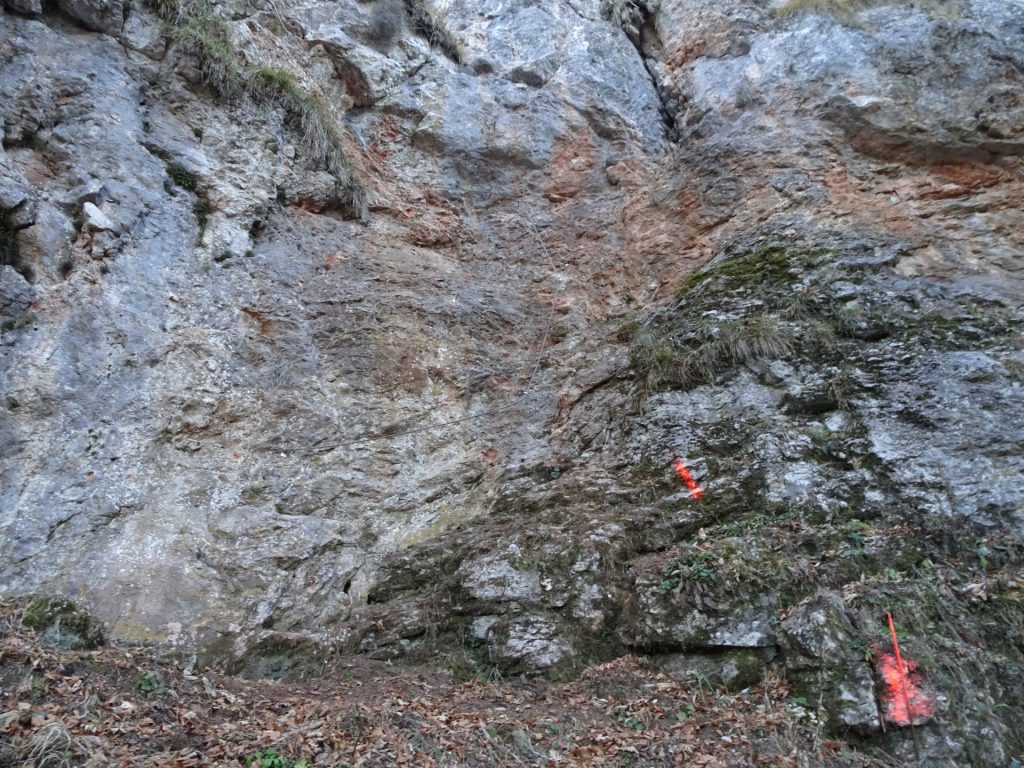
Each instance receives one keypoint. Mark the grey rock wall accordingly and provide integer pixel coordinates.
(234, 415)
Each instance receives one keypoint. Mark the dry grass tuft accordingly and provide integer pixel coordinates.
(659, 363)
(50, 746)
(428, 23)
(195, 26)
(846, 10)
(320, 136)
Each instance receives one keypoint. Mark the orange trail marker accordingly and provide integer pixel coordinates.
(695, 490)
(905, 702)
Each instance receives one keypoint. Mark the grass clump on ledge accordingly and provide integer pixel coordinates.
(659, 363)
(204, 35)
(182, 177)
(201, 33)
(315, 126)
(845, 10)
(425, 21)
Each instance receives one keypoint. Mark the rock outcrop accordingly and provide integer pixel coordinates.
(376, 328)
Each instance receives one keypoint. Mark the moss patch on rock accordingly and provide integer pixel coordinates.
(62, 623)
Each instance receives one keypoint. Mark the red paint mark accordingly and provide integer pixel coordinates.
(695, 490)
(905, 702)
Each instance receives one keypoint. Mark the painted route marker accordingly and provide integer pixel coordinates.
(905, 702)
(695, 490)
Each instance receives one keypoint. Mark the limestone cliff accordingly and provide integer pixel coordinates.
(375, 327)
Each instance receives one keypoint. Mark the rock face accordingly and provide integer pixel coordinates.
(248, 417)
(819, 638)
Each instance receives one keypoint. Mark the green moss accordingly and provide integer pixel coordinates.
(63, 623)
(960, 327)
(776, 266)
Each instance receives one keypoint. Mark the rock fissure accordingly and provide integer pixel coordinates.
(637, 19)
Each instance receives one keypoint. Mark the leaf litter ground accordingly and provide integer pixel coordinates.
(120, 705)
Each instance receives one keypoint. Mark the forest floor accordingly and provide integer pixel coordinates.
(130, 706)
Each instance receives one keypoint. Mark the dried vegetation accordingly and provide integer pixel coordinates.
(846, 10)
(200, 32)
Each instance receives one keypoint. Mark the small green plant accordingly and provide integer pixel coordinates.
(686, 712)
(149, 684)
(627, 719)
(253, 493)
(698, 566)
(37, 686)
(276, 79)
(17, 322)
(270, 758)
(182, 177)
(202, 208)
